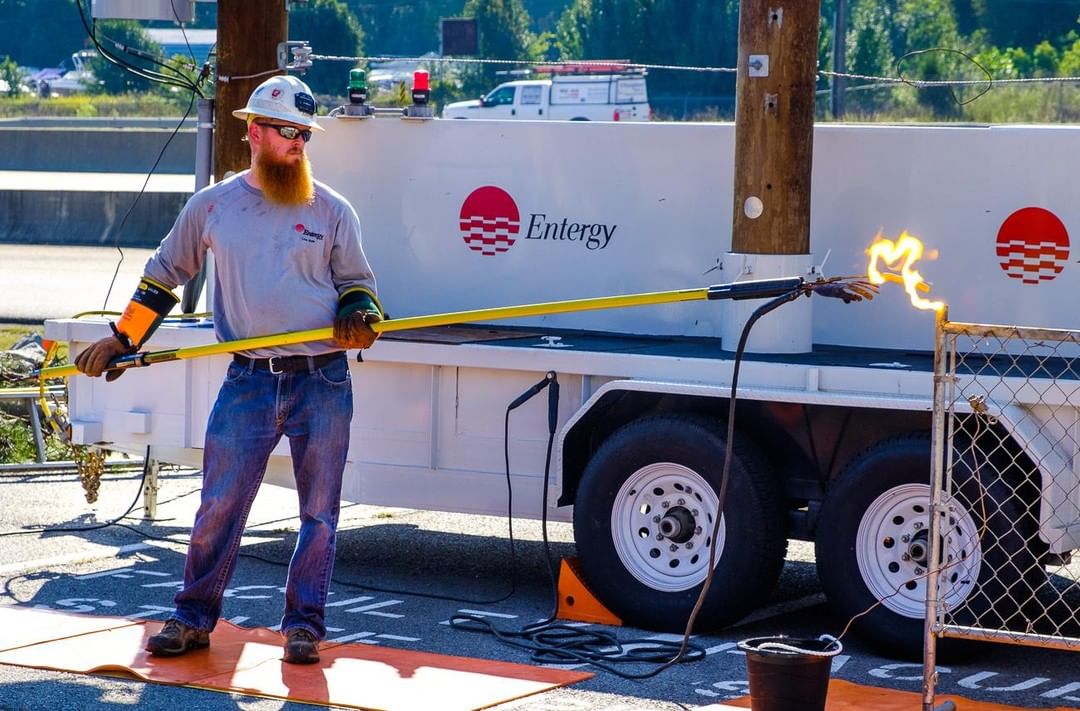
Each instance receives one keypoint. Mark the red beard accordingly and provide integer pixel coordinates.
(282, 182)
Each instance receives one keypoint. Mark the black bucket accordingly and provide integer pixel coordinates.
(789, 674)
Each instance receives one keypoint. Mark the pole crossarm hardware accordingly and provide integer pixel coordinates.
(848, 288)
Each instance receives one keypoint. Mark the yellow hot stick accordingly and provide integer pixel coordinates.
(397, 324)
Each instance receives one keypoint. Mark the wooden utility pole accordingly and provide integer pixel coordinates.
(774, 126)
(248, 33)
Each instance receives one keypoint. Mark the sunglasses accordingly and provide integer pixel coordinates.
(289, 133)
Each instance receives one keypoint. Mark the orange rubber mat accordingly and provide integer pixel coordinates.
(248, 661)
(848, 696)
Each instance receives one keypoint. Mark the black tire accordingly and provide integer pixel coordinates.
(885, 492)
(677, 458)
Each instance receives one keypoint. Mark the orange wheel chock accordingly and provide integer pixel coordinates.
(576, 601)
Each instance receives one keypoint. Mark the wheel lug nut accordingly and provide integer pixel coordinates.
(665, 504)
(905, 538)
(697, 531)
(659, 536)
(905, 556)
(918, 525)
(689, 545)
(919, 571)
(682, 502)
(674, 548)
(693, 512)
(656, 518)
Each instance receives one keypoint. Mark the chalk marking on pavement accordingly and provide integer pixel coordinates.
(351, 600)
(353, 637)
(367, 609)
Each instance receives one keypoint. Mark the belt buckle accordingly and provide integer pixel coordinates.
(270, 362)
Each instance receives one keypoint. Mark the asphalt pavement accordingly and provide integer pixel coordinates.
(54, 281)
(399, 577)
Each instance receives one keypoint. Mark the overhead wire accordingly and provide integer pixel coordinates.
(179, 81)
(615, 64)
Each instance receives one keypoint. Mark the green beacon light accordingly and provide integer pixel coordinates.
(357, 86)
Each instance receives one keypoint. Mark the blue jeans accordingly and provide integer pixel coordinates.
(254, 408)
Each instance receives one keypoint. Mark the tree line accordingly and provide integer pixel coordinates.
(919, 39)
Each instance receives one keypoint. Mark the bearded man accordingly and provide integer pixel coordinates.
(288, 257)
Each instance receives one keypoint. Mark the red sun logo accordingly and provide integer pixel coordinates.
(275, 93)
(489, 220)
(1032, 245)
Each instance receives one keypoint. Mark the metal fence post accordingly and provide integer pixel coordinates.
(937, 477)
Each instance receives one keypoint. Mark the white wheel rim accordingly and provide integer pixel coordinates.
(653, 499)
(893, 546)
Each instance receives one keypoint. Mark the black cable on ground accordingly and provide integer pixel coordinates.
(554, 643)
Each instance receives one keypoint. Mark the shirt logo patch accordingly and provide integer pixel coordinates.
(307, 235)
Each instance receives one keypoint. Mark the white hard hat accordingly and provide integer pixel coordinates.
(282, 97)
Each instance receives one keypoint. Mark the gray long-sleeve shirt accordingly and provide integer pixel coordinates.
(277, 269)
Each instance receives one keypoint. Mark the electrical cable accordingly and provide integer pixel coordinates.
(135, 201)
(917, 83)
(552, 643)
(178, 81)
(97, 526)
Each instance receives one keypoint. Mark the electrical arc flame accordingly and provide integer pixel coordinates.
(902, 253)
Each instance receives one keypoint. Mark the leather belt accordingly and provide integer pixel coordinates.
(289, 364)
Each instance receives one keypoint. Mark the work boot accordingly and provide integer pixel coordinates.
(176, 638)
(301, 647)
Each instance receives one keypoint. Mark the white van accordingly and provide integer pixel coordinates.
(568, 97)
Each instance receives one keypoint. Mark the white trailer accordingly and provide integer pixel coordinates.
(832, 444)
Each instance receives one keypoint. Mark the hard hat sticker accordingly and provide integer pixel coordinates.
(305, 103)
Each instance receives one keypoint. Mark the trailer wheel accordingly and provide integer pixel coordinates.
(643, 521)
(873, 545)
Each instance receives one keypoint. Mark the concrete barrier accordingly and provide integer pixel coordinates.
(87, 218)
(60, 186)
(96, 150)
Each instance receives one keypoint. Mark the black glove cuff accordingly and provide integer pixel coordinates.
(122, 337)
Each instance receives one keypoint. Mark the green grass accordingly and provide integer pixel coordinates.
(90, 106)
(10, 333)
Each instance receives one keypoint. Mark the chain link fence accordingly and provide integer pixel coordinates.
(1005, 490)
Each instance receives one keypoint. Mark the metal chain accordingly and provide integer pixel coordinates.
(90, 463)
